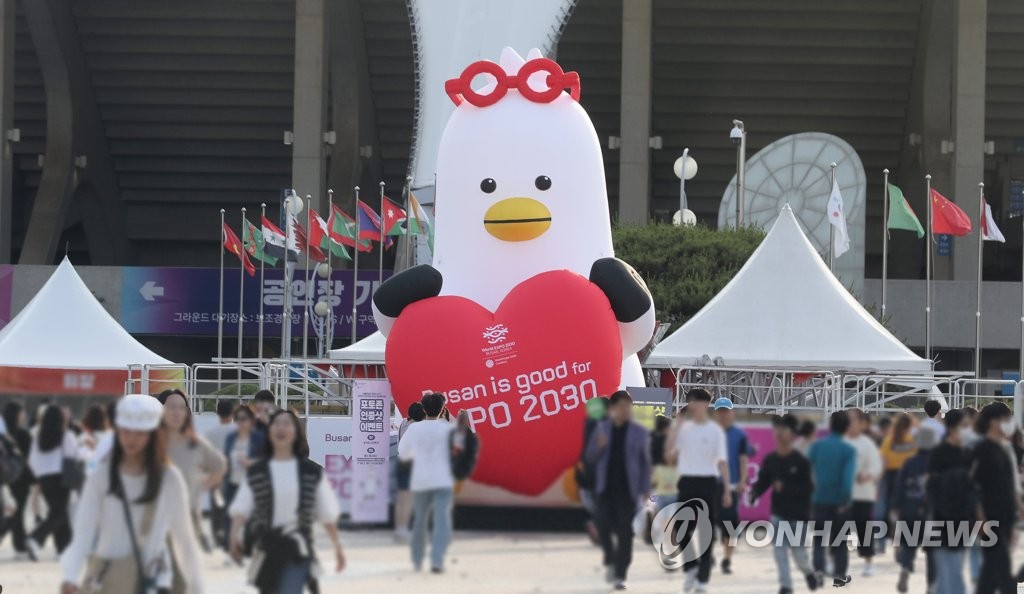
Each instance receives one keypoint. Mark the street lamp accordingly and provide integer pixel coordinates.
(738, 136)
(685, 167)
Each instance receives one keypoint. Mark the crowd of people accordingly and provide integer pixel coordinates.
(866, 484)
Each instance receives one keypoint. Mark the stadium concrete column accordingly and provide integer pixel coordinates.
(309, 106)
(635, 126)
(968, 163)
(7, 18)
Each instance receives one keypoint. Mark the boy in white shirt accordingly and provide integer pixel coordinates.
(702, 458)
(865, 484)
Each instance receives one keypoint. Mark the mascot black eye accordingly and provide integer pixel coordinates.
(488, 185)
(542, 182)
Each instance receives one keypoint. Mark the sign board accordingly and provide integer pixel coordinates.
(648, 403)
(944, 245)
(186, 301)
(371, 419)
(330, 445)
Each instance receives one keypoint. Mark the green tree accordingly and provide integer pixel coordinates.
(684, 266)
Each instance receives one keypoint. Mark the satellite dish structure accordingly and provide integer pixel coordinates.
(796, 170)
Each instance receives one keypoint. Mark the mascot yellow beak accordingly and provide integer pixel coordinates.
(517, 219)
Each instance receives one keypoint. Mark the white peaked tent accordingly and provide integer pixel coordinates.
(65, 327)
(368, 351)
(785, 310)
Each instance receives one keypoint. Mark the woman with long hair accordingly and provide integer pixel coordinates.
(14, 418)
(243, 447)
(131, 509)
(200, 463)
(95, 428)
(283, 496)
(52, 446)
(898, 446)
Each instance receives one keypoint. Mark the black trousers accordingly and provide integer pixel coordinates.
(615, 530)
(56, 522)
(825, 542)
(15, 524)
(706, 488)
(996, 573)
(861, 512)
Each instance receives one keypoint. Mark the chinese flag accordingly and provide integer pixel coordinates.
(234, 245)
(947, 218)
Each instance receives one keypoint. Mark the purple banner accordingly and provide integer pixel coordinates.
(6, 288)
(371, 447)
(185, 301)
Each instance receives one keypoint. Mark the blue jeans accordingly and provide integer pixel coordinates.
(439, 502)
(782, 548)
(825, 541)
(974, 562)
(949, 570)
(294, 576)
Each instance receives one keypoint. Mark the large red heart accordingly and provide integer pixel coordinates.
(523, 372)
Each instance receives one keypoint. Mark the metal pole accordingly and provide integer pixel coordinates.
(928, 273)
(259, 354)
(355, 273)
(308, 278)
(682, 185)
(409, 236)
(329, 320)
(741, 170)
(380, 271)
(220, 311)
(1021, 370)
(831, 227)
(885, 236)
(241, 307)
(977, 312)
(289, 269)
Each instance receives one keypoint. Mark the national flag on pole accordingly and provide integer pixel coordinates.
(275, 241)
(989, 231)
(319, 236)
(418, 223)
(901, 216)
(305, 242)
(394, 218)
(948, 218)
(343, 230)
(837, 218)
(233, 245)
(252, 239)
(369, 222)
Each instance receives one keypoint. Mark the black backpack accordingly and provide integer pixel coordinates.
(464, 462)
(12, 464)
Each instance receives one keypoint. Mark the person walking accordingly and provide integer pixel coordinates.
(699, 449)
(933, 417)
(897, 446)
(833, 466)
(865, 486)
(95, 429)
(465, 447)
(130, 513)
(740, 452)
(243, 447)
(54, 451)
(787, 474)
(201, 465)
(403, 474)
(217, 436)
(14, 418)
(619, 451)
(951, 502)
(427, 444)
(994, 475)
(264, 405)
(283, 496)
(909, 504)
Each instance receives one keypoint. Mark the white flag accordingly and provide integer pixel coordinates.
(989, 231)
(837, 219)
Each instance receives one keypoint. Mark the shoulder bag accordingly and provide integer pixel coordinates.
(119, 576)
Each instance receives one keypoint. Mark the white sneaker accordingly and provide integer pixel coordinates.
(690, 580)
(702, 588)
(32, 548)
(869, 570)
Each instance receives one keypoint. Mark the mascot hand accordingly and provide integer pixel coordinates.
(407, 287)
(630, 300)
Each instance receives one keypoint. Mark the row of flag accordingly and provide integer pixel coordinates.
(269, 244)
(947, 218)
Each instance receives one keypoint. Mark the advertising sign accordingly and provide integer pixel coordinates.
(648, 403)
(371, 405)
(185, 301)
(330, 445)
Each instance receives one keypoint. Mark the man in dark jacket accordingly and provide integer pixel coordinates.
(951, 500)
(619, 453)
(910, 505)
(994, 475)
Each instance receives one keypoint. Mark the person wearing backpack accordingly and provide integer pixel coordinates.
(909, 503)
(950, 500)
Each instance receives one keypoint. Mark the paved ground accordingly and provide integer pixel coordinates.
(510, 563)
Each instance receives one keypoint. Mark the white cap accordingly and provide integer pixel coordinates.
(138, 412)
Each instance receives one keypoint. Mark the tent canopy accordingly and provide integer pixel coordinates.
(785, 309)
(369, 351)
(65, 327)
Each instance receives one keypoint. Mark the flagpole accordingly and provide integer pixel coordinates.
(977, 313)
(355, 273)
(329, 330)
(885, 236)
(220, 312)
(380, 270)
(928, 273)
(289, 268)
(263, 215)
(831, 228)
(408, 228)
(310, 279)
(241, 307)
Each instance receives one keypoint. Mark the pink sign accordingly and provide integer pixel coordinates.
(6, 288)
(760, 438)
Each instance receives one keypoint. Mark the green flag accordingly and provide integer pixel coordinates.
(252, 240)
(901, 216)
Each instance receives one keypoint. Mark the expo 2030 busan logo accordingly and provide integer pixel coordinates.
(496, 334)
